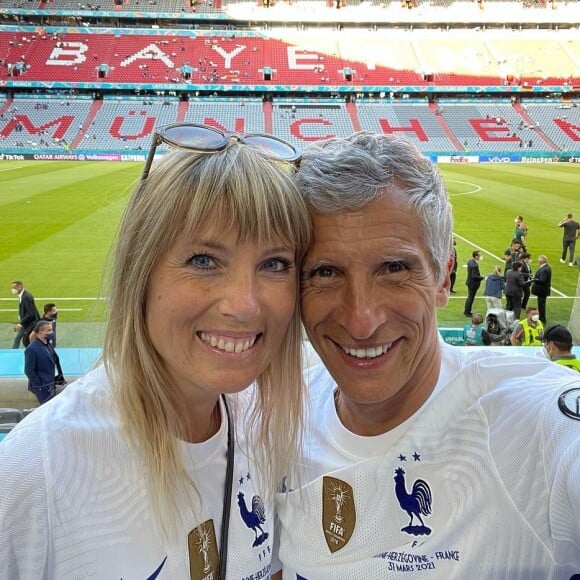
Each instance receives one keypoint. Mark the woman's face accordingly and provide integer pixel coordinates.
(218, 310)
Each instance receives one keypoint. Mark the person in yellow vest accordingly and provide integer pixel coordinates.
(558, 347)
(528, 331)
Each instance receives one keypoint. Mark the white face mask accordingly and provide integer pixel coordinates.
(515, 220)
(480, 258)
(535, 317)
(14, 291)
(546, 353)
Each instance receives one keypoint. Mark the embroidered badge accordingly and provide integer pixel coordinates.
(254, 518)
(569, 403)
(338, 512)
(204, 559)
(416, 503)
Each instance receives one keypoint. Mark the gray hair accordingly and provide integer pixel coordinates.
(341, 175)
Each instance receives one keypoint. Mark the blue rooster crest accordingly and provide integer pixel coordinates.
(416, 503)
(254, 518)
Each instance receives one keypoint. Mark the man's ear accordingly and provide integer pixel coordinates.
(445, 285)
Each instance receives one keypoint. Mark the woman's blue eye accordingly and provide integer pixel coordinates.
(277, 264)
(201, 261)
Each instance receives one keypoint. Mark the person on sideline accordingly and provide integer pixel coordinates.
(529, 331)
(28, 314)
(569, 236)
(494, 285)
(520, 232)
(558, 347)
(453, 274)
(420, 459)
(525, 259)
(514, 289)
(40, 363)
(50, 314)
(153, 463)
(511, 255)
(542, 285)
(474, 334)
(473, 281)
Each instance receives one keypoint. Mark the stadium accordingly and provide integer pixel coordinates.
(277, 400)
(487, 89)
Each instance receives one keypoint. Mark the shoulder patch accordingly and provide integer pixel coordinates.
(569, 403)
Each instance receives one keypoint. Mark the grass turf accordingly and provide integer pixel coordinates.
(57, 221)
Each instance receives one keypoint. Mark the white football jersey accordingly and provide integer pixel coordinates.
(73, 500)
(483, 482)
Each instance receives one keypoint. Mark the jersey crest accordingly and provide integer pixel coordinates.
(569, 403)
(203, 552)
(416, 502)
(338, 512)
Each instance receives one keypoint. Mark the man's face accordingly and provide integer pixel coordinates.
(369, 301)
(43, 331)
(533, 316)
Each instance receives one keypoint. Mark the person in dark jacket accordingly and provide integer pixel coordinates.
(527, 273)
(28, 314)
(473, 281)
(514, 289)
(453, 274)
(40, 363)
(542, 285)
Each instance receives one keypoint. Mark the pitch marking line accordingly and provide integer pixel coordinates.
(476, 188)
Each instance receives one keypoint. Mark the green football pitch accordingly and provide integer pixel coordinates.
(57, 221)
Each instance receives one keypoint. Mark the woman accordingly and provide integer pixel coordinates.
(494, 285)
(127, 473)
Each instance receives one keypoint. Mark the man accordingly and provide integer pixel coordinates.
(474, 334)
(525, 259)
(520, 232)
(27, 314)
(558, 347)
(40, 363)
(473, 281)
(511, 255)
(514, 289)
(542, 285)
(529, 331)
(453, 274)
(420, 459)
(569, 237)
(50, 314)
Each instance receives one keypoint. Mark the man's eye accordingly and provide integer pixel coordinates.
(395, 267)
(322, 272)
(202, 261)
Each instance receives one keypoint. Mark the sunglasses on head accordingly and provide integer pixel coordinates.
(205, 139)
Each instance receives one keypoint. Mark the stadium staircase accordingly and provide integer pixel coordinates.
(435, 109)
(6, 106)
(87, 123)
(530, 122)
(267, 109)
(351, 110)
(182, 109)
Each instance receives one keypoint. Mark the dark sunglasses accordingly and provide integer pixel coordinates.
(206, 139)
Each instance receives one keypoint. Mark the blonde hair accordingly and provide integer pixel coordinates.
(240, 190)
